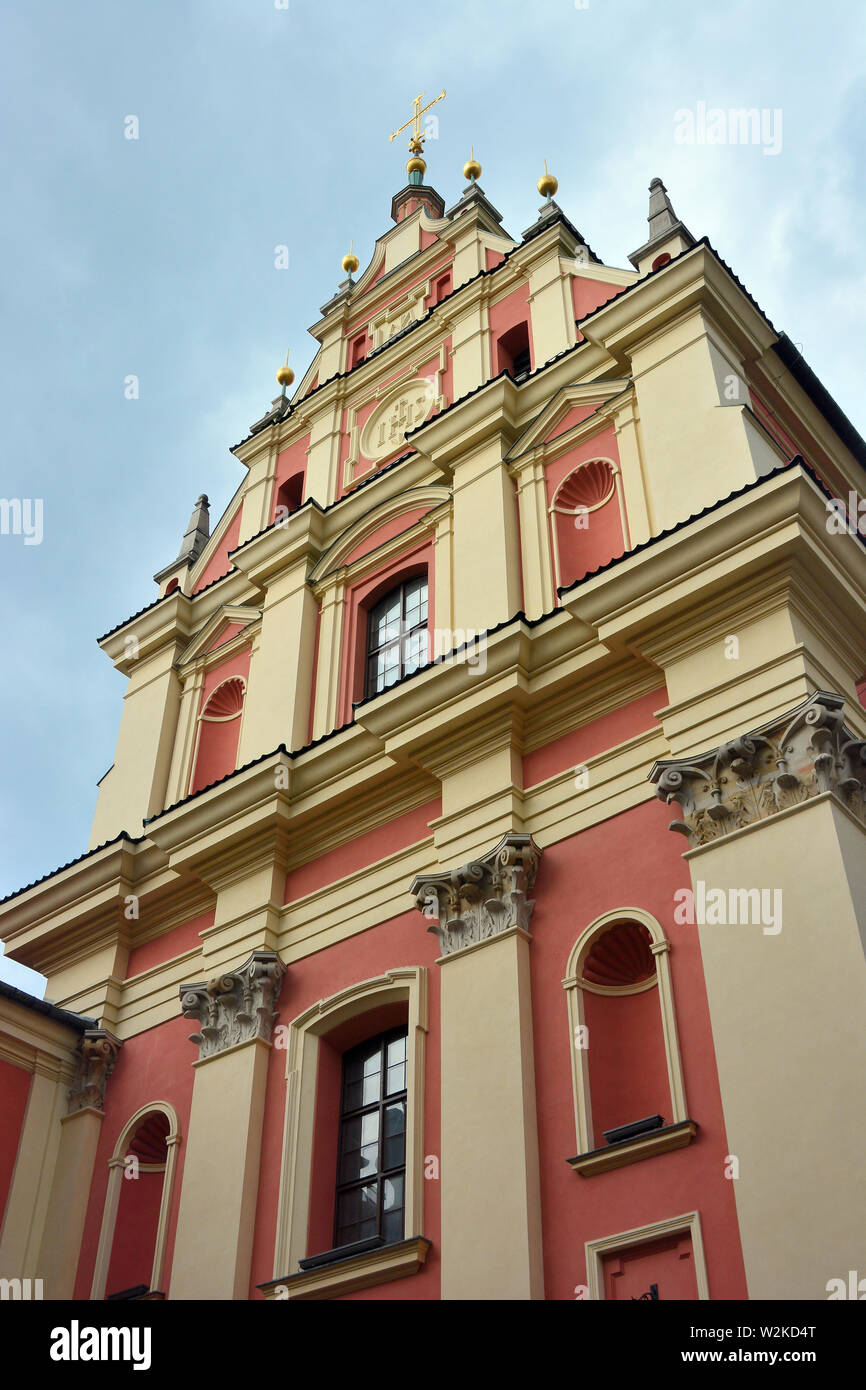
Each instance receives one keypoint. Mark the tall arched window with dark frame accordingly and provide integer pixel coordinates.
(397, 635)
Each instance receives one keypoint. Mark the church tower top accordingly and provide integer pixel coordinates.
(416, 191)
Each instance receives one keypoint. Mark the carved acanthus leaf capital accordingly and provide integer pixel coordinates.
(792, 759)
(235, 1007)
(481, 899)
(97, 1055)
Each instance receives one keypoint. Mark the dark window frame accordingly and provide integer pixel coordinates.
(379, 1106)
(401, 641)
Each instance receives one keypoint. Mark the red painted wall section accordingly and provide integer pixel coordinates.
(14, 1091)
(152, 1066)
(505, 315)
(217, 741)
(399, 942)
(771, 424)
(404, 522)
(573, 416)
(398, 834)
(669, 1264)
(631, 860)
(602, 534)
(573, 750)
(225, 635)
(172, 943)
(628, 1073)
(493, 259)
(131, 1260)
(291, 461)
(590, 294)
(359, 599)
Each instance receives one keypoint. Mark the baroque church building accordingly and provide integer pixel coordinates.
(384, 975)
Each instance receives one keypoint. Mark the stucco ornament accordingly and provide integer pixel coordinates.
(807, 752)
(97, 1057)
(235, 1007)
(483, 898)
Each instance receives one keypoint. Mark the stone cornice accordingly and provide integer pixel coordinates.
(791, 759)
(483, 898)
(236, 1007)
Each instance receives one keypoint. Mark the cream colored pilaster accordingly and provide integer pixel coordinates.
(469, 364)
(539, 583)
(323, 453)
(135, 786)
(216, 1219)
(70, 1194)
(328, 665)
(30, 1192)
(185, 737)
(443, 574)
(550, 309)
(691, 435)
(491, 1205)
(277, 707)
(258, 490)
(778, 865)
(487, 582)
(641, 521)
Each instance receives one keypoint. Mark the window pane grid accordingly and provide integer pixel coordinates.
(371, 1162)
(397, 635)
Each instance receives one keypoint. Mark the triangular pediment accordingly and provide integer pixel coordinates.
(229, 615)
(568, 409)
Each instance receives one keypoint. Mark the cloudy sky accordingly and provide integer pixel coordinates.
(264, 123)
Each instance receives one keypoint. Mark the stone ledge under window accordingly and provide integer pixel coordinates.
(633, 1150)
(377, 1266)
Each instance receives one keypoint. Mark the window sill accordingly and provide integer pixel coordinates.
(377, 1266)
(633, 1150)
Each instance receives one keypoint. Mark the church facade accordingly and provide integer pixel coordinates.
(475, 906)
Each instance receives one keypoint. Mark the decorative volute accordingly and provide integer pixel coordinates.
(802, 755)
(235, 1007)
(483, 898)
(97, 1057)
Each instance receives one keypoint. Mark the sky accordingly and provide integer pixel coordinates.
(263, 124)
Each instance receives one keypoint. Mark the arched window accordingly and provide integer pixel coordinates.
(628, 1086)
(219, 733)
(397, 634)
(354, 1108)
(513, 352)
(132, 1239)
(587, 517)
(289, 497)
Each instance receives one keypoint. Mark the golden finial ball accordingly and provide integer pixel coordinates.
(547, 185)
(416, 165)
(285, 375)
(350, 263)
(472, 170)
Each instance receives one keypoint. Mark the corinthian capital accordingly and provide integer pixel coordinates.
(483, 898)
(235, 1007)
(792, 759)
(97, 1055)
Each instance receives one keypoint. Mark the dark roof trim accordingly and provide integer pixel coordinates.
(820, 397)
(44, 1006)
(88, 854)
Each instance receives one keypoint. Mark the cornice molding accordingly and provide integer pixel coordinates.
(481, 899)
(791, 759)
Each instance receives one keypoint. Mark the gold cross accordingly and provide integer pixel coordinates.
(416, 142)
